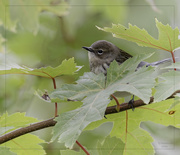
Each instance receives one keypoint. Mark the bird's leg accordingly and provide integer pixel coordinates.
(131, 103)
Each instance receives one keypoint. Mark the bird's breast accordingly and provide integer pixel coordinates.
(97, 69)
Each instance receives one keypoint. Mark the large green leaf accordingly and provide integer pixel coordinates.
(168, 38)
(127, 125)
(95, 94)
(68, 67)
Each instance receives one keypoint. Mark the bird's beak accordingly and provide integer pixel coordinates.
(88, 49)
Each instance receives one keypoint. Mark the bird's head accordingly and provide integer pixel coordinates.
(102, 51)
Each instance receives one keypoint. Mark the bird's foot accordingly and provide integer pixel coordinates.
(131, 103)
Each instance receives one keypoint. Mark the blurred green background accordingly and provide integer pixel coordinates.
(45, 32)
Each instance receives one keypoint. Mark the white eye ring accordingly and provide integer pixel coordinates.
(100, 52)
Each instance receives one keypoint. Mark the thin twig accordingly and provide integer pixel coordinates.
(56, 107)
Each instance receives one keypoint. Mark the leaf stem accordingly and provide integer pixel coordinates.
(82, 148)
(54, 83)
(173, 57)
(117, 102)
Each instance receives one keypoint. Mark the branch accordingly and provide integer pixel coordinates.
(126, 106)
(137, 103)
(50, 122)
(32, 127)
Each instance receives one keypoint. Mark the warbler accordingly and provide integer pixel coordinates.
(102, 53)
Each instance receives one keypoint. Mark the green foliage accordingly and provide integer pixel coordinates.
(95, 94)
(168, 37)
(40, 30)
(127, 125)
(119, 78)
(68, 67)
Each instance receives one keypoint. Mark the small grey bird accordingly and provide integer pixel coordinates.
(102, 53)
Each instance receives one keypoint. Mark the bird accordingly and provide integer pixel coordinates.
(101, 53)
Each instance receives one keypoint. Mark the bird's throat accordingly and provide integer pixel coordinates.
(97, 65)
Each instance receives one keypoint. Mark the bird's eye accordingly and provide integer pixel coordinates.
(100, 52)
